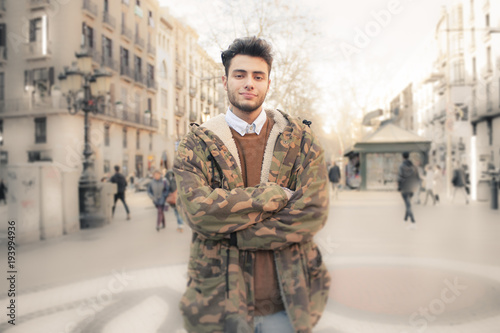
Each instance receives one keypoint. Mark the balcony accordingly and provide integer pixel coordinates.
(140, 78)
(37, 51)
(90, 8)
(126, 33)
(139, 42)
(108, 20)
(209, 100)
(109, 63)
(38, 4)
(179, 84)
(179, 111)
(192, 91)
(203, 96)
(121, 112)
(96, 56)
(3, 54)
(126, 73)
(486, 73)
(126, 2)
(151, 84)
(151, 50)
(193, 116)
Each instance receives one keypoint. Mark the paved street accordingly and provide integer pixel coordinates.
(127, 277)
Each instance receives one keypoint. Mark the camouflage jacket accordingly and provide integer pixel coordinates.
(230, 221)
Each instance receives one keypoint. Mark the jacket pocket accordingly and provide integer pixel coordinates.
(202, 305)
(206, 260)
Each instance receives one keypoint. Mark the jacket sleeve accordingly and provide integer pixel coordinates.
(215, 213)
(306, 212)
(165, 192)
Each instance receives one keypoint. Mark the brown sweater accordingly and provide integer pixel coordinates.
(251, 149)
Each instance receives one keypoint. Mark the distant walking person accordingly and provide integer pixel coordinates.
(438, 181)
(173, 190)
(334, 176)
(158, 190)
(3, 191)
(121, 182)
(459, 182)
(430, 184)
(408, 180)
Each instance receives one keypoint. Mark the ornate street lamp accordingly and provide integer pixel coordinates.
(86, 90)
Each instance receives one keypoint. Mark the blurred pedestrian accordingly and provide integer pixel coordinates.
(459, 182)
(158, 191)
(173, 192)
(3, 191)
(430, 184)
(121, 183)
(438, 181)
(334, 176)
(408, 180)
(131, 178)
(420, 186)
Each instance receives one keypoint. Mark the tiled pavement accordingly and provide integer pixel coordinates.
(442, 277)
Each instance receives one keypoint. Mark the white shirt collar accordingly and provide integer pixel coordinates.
(242, 127)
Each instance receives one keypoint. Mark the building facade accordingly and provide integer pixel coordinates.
(456, 97)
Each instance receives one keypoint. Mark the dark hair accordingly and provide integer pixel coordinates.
(117, 168)
(250, 46)
(406, 155)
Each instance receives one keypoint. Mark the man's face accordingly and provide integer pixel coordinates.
(247, 83)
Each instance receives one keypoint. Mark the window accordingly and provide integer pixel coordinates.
(488, 59)
(106, 5)
(163, 71)
(3, 40)
(107, 166)
(35, 33)
(2, 86)
(106, 136)
(487, 20)
(150, 106)
(150, 141)
(474, 69)
(41, 130)
(138, 3)
(123, 60)
(164, 99)
(4, 158)
(138, 140)
(124, 137)
(489, 105)
(87, 36)
(137, 103)
(472, 10)
(458, 72)
(1, 132)
(107, 48)
(125, 164)
(138, 68)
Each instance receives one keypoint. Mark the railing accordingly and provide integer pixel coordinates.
(151, 84)
(35, 103)
(151, 49)
(179, 111)
(36, 50)
(109, 62)
(125, 70)
(90, 7)
(179, 84)
(203, 96)
(126, 32)
(139, 42)
(192, 91)
(140, 78)
(108, 19)
(121, 113)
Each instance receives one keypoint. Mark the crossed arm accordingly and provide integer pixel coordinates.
(261, 217)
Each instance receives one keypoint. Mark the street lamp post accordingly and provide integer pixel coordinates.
(85, 90)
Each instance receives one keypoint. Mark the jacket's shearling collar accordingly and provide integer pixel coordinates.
(219, 127)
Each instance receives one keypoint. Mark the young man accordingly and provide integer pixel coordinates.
(334, 176)
(121, 182)
(253, 187)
